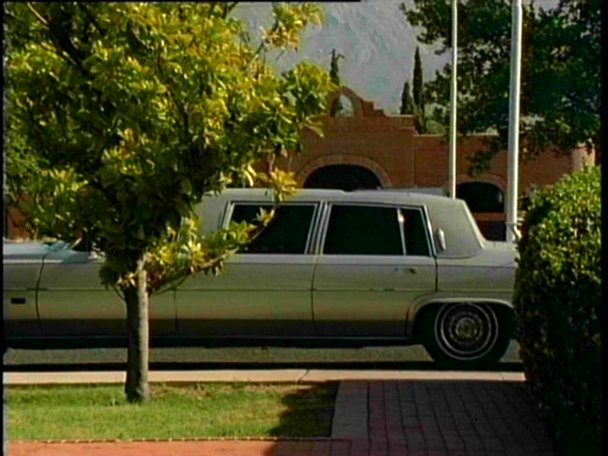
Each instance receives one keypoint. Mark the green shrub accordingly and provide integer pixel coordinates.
(557, 297)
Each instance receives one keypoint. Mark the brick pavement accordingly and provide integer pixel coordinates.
(440, 418)
(375, 418)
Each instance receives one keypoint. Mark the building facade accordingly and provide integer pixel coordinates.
(368, 149)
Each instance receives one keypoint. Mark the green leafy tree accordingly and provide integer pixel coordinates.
(334, 74)
(407, 103)
(122, 116)
(560, 92)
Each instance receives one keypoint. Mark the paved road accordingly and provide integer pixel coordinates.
(188, 358)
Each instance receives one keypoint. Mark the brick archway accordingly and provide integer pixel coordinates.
(488, 178)
(352, 97)
(356, 160)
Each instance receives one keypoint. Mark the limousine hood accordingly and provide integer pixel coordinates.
(29, 250)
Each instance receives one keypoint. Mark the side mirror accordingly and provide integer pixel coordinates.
(441, 243)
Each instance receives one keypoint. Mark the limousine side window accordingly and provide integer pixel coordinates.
(363, 230)
(287, 232)
(414, 232)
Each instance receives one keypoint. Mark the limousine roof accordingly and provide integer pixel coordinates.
(451, 215)
(313, 194)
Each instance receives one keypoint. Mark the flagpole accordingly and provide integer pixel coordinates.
(513, 144)
(454, 87)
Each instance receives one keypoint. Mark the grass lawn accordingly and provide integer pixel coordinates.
(175, 411)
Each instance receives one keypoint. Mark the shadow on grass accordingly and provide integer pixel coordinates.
(309, 412)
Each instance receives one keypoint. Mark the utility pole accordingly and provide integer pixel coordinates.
(454, 86)
(513, 145)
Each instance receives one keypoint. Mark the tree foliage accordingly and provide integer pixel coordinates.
(558, 296)
(122, 116)
(560, 92)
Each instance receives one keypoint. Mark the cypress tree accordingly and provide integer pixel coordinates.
(407, 103)
(334, 75)
(418, 96)
(418, 91)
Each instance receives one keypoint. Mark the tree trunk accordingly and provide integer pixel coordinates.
(136, 297)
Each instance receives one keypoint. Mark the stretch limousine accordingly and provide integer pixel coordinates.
(332, 268)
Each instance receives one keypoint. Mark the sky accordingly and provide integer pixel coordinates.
(375, 39)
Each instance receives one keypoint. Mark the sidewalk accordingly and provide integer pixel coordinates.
(254, 375)
(377, 413)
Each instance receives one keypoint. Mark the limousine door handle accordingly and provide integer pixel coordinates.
(411, 270)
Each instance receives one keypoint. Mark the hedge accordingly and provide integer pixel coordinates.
(558, 300)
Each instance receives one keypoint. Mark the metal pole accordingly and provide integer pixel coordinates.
(513, 147)
(452, 159)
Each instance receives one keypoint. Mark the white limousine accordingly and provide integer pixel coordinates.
(333, 268)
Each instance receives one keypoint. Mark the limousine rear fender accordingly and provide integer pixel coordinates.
(418, 307)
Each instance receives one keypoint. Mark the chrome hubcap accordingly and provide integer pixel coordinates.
(466, 331)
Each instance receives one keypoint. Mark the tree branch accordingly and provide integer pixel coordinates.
(37, 14)
(170, 283)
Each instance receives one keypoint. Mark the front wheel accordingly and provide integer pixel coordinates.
(466, 334)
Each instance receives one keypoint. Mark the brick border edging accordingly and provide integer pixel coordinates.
(185, 439)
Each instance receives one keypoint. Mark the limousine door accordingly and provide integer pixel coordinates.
(376, 261)
(264, 291)
(73, 303)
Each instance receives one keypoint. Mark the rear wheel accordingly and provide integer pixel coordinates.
(466, 334)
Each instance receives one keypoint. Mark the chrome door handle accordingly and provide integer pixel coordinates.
(411, 270)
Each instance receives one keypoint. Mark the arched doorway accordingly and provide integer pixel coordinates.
(343, 177)
(486, 201)
(481, 196)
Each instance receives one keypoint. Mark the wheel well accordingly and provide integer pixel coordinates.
(504, 313)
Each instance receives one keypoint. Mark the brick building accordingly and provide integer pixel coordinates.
(368, 149)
